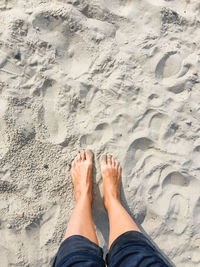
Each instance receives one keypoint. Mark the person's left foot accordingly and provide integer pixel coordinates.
(82, 175)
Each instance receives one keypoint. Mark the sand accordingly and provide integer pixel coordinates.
(108, 75)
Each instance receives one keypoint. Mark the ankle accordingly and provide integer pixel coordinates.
(110, 201)
(83, 197)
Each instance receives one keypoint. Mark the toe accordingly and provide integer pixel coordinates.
(118, 165)
(109, 159)
(119, 168)
(114, 162)
(73, 163)
(89, 155)
(74, 160)
(83, 155)
(77, 158)
(103, 159)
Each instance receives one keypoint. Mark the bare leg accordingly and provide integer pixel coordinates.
(81, 220)
(119, 219)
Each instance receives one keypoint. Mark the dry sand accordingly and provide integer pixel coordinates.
(109, 75)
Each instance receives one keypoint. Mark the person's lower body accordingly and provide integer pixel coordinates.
(127, 245)
(129, 249)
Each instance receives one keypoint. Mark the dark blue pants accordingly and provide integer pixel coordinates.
(130, 249)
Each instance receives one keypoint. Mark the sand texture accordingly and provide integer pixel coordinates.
(113, 76)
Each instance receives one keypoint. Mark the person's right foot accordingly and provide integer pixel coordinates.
(111, 173)
(82, 175)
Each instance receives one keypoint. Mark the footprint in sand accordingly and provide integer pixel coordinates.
(175, 73)
(157, 125)
(177, 213)
(136, 152)
(50, 118)
(71, 50)
(175, 197)
(175, 185)
(169, 65)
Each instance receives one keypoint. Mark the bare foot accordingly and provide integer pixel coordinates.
(111, 173)
(82, 175)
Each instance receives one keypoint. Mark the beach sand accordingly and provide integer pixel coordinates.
(112, 76)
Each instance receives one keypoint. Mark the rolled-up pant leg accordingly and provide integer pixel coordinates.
(133, 249)
(78, 251)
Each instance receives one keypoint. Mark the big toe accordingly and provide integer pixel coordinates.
(103, 160)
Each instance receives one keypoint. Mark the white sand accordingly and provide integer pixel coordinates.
(109, 75)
